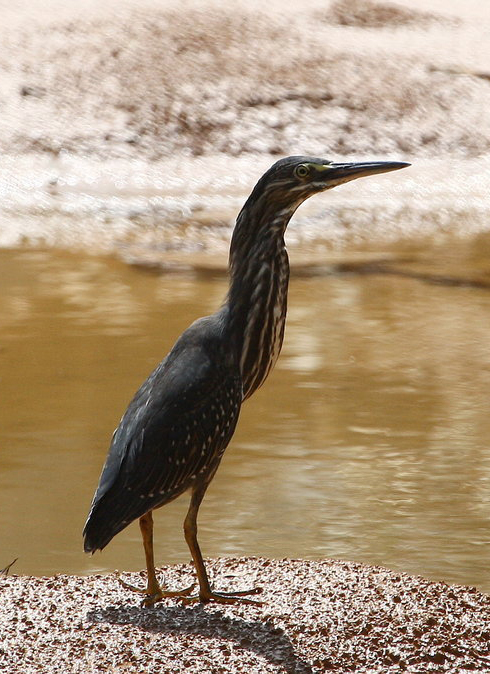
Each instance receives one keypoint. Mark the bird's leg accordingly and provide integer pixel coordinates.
(206, 594)
(153, 590)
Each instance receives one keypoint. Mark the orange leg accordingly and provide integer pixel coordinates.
(206, 594)
(153, 590)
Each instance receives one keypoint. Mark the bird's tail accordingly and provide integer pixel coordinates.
(107, 517)
(96, 533)
(103, 523)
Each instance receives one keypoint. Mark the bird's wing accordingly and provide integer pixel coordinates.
(173, 432)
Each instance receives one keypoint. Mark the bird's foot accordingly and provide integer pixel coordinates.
(209, 596)
(155, 592)
(152, 598)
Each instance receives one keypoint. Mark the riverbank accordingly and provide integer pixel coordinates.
(316, 616)
(138, 130)
(150, 81)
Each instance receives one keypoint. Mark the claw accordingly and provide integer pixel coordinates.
(127, 586)
(153, 595)
(224, 597)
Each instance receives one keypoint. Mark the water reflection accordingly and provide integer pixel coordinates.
(368, 442)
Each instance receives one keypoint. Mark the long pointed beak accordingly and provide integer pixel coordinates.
(342, 173)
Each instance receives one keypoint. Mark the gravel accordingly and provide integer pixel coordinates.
(316, 616)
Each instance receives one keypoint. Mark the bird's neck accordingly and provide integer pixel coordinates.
(257, 298)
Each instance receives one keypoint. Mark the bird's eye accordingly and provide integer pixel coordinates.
(301, 171)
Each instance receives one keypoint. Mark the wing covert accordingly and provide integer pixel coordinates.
(174, 431)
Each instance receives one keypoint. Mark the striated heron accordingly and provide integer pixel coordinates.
(175, 430)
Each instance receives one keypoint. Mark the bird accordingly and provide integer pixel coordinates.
(175, 430)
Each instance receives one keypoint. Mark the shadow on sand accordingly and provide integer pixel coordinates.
(259, 637)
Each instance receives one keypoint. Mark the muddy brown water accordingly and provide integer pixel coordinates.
(369, 442)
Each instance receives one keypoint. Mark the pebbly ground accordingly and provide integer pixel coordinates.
(317, 616)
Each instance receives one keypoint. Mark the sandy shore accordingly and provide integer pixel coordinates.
(114, 119)
(316, 617)
(356, 77)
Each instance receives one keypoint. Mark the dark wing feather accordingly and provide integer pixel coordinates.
(173, 433)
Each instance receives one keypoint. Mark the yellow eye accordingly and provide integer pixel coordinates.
(301, 171)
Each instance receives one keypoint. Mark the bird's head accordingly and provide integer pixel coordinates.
(293, 179)
(285, 186)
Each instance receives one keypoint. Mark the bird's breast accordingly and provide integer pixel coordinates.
(264, 328)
